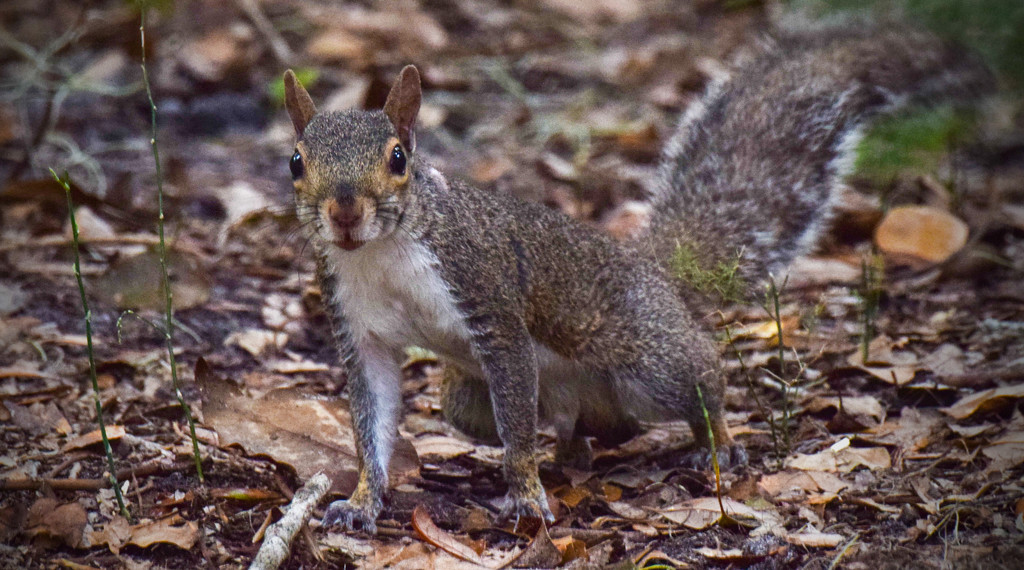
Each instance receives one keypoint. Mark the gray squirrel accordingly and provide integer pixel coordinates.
(542, 319)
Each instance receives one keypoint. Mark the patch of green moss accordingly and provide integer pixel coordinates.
(722, 279)
(915, 141)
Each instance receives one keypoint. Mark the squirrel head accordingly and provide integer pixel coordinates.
(352, 170)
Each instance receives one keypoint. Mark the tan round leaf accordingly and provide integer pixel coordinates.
(923, 232)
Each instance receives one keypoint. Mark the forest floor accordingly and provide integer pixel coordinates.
(911, 457)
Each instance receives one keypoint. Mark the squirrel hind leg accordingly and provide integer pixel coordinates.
(730, 453)
(466, 404)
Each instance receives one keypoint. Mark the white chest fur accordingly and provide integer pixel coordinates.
(392, 290)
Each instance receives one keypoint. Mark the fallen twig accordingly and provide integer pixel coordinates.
(277, 544)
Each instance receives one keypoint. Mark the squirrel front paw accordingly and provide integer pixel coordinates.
(346, 514)
(518, 507)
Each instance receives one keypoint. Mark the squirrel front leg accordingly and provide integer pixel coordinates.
(374, 384)
(506, 354)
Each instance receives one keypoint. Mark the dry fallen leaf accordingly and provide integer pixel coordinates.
(92, 438)
(863, 406)
(913, 430)
(923, 233)
(785, 483)
(985, 401)
(310, 434)
(731, 556)
(1006, 452)
(815, 539)
(698, 514)
(843, 461)
(256, 341)
(431, 533)
(136, 282)
(441, 447)
(49, 520)
(171, 530)
(571, 548)
(540, 553)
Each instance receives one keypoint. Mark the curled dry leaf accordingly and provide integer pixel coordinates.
(863, 406)
(571, 548)
(922, 233)
(1005, 452)
(815, 539)
(842, 461)
(732, 556)
(433, 534)
(172, 530)
(94, 437)
(698, 514)
(985, 401)
(786, 482)
(443, 447)
(541, 552)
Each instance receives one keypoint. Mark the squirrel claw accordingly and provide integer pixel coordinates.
(516, 508)
(344, 514)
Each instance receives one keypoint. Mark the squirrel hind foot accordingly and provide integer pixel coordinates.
(345, 514)
(729, 457)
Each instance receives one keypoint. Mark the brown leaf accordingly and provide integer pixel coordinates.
(785, 482)
(913, 430)
(842, 461)
(114, 534)
(698, 514)
(922, 233)
(171, 530)
(52, 521)
(1006, 452)
(985, 401)
(432, 534)
(541, 553)
(137, 282)
(441, 447)
(815, 539)
(866, 407)
(571, 548)
(731, 556)
(310, 434)
(94, 437)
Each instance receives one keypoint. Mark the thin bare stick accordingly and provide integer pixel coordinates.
(277, 543)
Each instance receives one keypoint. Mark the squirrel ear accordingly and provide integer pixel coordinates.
(403, 105)
(298, 102)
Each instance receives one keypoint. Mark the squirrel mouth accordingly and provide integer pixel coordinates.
(348, 244)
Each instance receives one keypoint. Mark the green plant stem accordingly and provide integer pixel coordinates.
(714, 450)
(764, 411)
(112, 475)
(169, 308)
(776, 313)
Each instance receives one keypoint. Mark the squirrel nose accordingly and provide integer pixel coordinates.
(346, 216)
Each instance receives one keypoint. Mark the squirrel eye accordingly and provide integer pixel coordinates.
(397, 163)
(296, 166)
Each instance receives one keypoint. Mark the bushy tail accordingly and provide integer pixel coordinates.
(753, 173)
